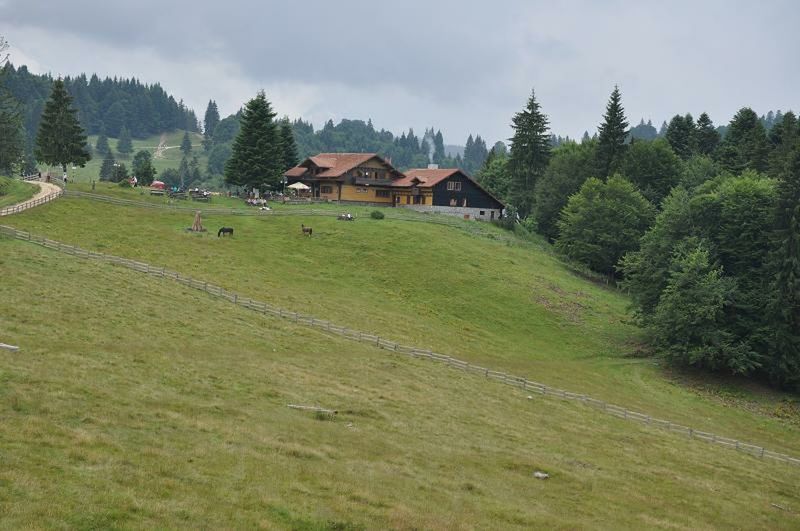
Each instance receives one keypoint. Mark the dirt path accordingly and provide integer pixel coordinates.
(162, 145)
(45, 190)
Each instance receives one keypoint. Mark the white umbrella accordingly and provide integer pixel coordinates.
(299, 186)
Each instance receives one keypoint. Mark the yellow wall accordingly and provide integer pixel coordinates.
(350, 193)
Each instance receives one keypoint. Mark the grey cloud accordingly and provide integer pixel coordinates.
(464, 66)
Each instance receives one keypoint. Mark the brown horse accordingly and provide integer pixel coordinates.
(306, 230)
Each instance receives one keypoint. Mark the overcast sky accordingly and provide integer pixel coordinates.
(461, 66)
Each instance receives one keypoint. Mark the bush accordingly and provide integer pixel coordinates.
(377, 214)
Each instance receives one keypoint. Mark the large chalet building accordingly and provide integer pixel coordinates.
(367, 178)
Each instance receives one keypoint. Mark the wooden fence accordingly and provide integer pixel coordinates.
(30, 204)
(518, 382)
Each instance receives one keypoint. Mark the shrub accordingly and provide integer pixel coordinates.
(377, 214)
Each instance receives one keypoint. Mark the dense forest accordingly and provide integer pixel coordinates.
(700, 224)
(107, 105)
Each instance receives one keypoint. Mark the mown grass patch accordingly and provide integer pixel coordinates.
(143, 404)
(13, 191)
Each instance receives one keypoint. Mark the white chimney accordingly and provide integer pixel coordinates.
(433, 166)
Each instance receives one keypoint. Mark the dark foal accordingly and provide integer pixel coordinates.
(225, 230)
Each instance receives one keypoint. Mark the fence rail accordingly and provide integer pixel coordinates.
(30, 204)
(415, 352)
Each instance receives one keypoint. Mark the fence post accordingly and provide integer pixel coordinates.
(235, 298)
(762, 452)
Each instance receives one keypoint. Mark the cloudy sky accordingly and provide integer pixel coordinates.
(463, 66)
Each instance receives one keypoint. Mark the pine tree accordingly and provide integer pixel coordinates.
(612, 134)
(186, 144)
(530, 154)
(142, 167)
(785, 261)
(60, 139)
(124, 144)
(107, 168)
(288, 145)
(210, 124)
(708, 137)
(680, 135)
(101, 147)
(438, 148)
(256, 158)
(12, 144)
(745, 145)
(783, 137)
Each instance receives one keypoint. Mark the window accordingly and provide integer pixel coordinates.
(326, 189)
(483, 212)
(361, 190)
(381, 193)
(454, 186)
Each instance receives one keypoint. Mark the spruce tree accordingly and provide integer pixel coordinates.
(530, 154)
(101, 147)
(209, 124)
(60, 139)
(745, 145)
(785, 261)
(612, 134)
(12, 143)
(708, 137)
(256, 158)
(107, 168)
(288, 145)
(142, 167)
(783, 137)
(186, 144)
(438, 148)
(124, 144)
(681, 135)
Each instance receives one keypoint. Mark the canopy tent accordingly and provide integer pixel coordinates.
(158, 185)
(298, 186)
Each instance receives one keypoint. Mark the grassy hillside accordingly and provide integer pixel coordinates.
(475, 293)
(13, 191)
(171, 156)
(137, 403)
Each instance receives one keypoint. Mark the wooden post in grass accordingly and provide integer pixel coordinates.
(12, 348)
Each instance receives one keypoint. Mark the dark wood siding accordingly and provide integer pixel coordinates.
(475, 196)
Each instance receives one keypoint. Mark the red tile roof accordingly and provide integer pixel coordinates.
(426, 177)
(333, 164)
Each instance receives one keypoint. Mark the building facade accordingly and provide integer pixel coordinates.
(367, 178)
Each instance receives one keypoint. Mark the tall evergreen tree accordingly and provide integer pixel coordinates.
(210, 124)
(60, 139)
(530, 154)
(681, 135)
(288, 145)
(124, 144)
(745, 145)
(613, 131)
(438, 148)
(256, 157)
(783, 137)
(186, 144)
(12, 142)
(107, 168)
(142, 167)
(785, 262)
(101, 147)
(708, 137)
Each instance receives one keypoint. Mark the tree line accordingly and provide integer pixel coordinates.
(109, 106)
(700, 224)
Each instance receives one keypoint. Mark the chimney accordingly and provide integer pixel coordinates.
(433, 166)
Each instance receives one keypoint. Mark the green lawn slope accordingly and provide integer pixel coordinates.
(473, 292)
(13, 191)
(137, 403)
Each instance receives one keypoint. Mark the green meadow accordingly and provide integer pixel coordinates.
(136, 402)
(13, 191)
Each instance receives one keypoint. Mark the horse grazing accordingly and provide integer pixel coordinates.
(306, 230)
(225, 230)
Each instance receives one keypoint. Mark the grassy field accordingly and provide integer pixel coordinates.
(13, 191)
(137, 403)
(171, 156)
(476, 293)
